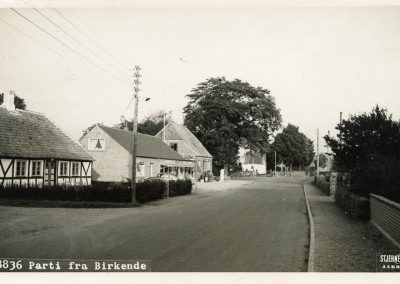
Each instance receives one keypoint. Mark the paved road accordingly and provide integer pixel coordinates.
(260, 226)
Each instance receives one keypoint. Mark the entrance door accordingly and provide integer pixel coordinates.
(49, 173)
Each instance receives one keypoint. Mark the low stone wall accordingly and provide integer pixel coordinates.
(385, 215)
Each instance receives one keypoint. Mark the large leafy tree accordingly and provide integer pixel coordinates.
(293, 147)
(368, 146)
(363, 136)
(19, 102)
(150, 125)
(227, 114)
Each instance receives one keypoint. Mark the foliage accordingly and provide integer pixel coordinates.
(364, 136)
(151, 124)
(354, 205)
(104, 192)
(368, 145)
(150, 190)
(180, 187)
(87, 130)
(323, 160)
(292, 148)
(18, 101)
(224, 115)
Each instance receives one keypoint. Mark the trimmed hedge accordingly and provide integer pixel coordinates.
(146, 191)
(103, 192)
(354, 205)
(180, 187)
(150, 190)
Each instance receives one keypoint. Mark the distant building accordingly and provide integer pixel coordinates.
(111, 150)
(252, 161)
(34, 151)
(183, 141)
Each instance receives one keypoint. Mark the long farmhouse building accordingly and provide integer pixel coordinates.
(34, 151)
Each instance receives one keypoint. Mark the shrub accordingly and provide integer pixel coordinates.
(355, 205)
(150, 190)
(325, 187)
(180, 187)
(105, 192)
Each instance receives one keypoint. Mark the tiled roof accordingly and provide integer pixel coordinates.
(26, 134)
(147, 145)
(176, 131)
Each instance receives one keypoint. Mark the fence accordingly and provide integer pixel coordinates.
(385, 215)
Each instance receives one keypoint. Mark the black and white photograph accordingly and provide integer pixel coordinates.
(230, 136)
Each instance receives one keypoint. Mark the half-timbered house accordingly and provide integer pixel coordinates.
(34, 151)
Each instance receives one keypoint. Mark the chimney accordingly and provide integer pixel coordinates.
(8, 101)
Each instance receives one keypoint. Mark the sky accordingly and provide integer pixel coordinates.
(316, 61)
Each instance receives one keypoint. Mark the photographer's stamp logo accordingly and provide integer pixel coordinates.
(387, 262)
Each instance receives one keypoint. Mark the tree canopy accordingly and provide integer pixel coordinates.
(293, 147)
(150, 125)
(224, 115)
(368, 146)
(363, 136)
(18, 101)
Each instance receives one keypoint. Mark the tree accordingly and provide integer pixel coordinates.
(87, 130)
(323, 160)
(293, 147)
(363, 136)
(224, 115)
(150, 125)
(19, 102)
(368, 146)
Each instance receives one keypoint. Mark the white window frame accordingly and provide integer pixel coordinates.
(61, 174)
(93, 148)
(72, 169)
(25, 168)
(36, 174)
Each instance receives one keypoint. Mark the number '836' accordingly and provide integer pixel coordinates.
(10, 264)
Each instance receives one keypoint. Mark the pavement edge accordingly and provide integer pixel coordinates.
(311, 251)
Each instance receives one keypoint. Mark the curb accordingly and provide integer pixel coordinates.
(311, 252)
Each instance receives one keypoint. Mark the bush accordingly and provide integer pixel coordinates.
(325, 187)
(104, 192)
(355, 205)
(180, 187)
(150, 190)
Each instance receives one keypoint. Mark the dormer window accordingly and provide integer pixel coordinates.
(97, 144)
(174, 146)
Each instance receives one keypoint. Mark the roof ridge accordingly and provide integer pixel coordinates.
(63, 131)
(126, 130)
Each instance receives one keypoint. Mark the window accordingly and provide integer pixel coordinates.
(36, 169)
(75, 169)
(63, 169)
(174, 146)
(97, 144)
(20, 170)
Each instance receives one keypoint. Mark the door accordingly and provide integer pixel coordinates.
(49, 173)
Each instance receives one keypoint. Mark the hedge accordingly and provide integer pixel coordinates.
(148, 190)
(354, 205)
(180, 187)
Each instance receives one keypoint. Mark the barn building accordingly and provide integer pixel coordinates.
(183, 141)
(35, 152)
(111, 150)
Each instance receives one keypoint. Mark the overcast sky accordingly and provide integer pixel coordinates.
(315, 61)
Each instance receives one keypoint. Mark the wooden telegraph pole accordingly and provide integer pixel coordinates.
(136, 89)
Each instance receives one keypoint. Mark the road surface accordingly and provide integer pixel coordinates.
(259, 226)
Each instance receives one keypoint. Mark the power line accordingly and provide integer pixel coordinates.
(90, 38)
(39, 43)
(77, 41)
(93, 30)
(67, 46)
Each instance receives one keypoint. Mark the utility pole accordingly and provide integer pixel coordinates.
(317, 153)
(164, 128)
(275, 166)
(136, 89)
